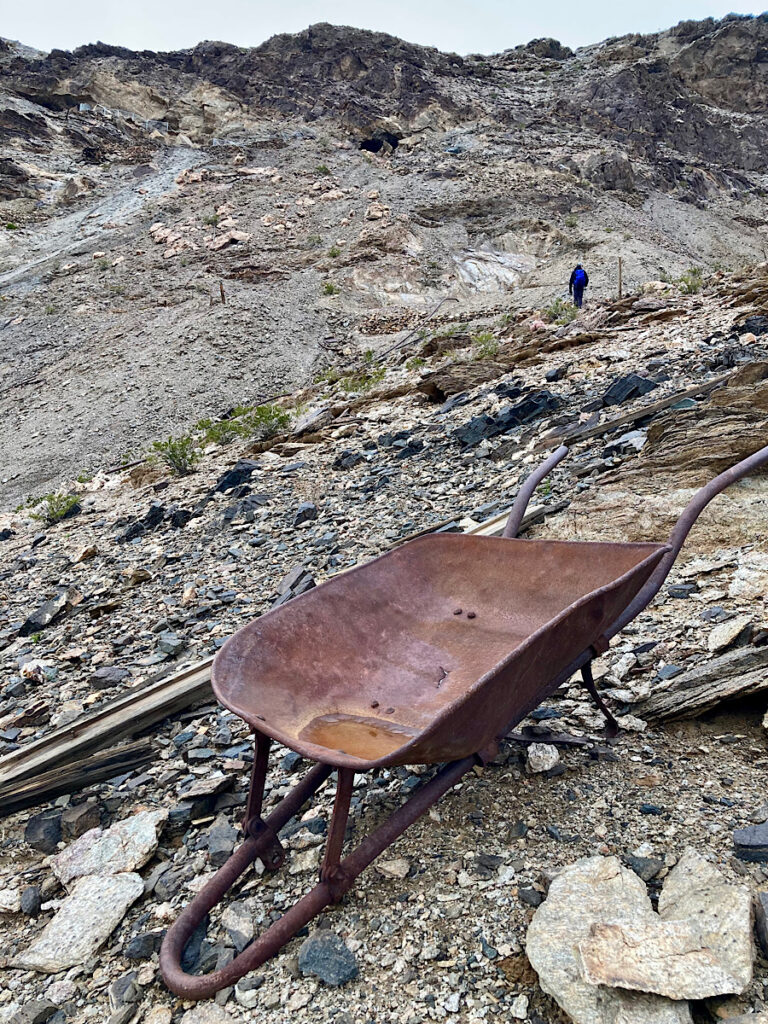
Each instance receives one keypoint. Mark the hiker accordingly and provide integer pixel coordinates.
(578, 282)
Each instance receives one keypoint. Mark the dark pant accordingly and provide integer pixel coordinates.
(578, 294)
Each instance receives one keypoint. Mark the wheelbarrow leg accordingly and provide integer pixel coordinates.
(525, 493)
(612, 726)
(341, 875)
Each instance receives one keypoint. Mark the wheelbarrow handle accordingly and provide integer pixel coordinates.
(517, 511)
(680, 531)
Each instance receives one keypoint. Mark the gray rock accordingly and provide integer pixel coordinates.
(37, 1011)
(83, 923)
(644, 867)
(698, 946)
(324, 954)
(238, 922)
(31, 900)
(126, 846)
(108, 675)
(751, 843)
(761, 920)
(207, 1013)
(143, 945)
(542, 757)
(124, 990)
(581, 895)
(122, 1016)
(48, 611)
(171, 644)
(79, 819)
(221, 841)
(43, 831)
(729, 632)
(306, 512)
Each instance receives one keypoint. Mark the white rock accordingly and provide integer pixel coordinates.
(126, 846)
(631, 723)
(580, 896)
(542, 757)
(84, 921)
(10, 901)
(397, 868)
(519, 1007)
(306, 860)
(724, 634)
(698, 946)
(61, 991)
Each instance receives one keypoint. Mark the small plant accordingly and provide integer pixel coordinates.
(415, 363)
(256, 422)
(334, 251)
(52, 508)
(571, 220)
(369, 356)
(103, 264)
(361, 380)
(545, 489)
(329, 288)
(36, 638)
(84, 477)
(10, 226)
(485, 345)
(330, 375)
(211, 219)
(692, 281)
(50, 310)
(313, 241)
(178, 453)
(322, 169)
(560, 312)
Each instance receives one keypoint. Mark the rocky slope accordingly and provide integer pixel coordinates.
(480, 179)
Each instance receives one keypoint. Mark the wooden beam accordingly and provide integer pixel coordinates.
(577, 434)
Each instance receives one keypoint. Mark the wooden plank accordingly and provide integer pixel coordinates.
(570, 436)
(104, 764)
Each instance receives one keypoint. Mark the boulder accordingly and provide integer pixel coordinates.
(126, 846)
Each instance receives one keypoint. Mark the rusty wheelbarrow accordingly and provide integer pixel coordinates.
(429, 654)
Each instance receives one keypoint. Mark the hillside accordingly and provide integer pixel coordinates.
(505, 171)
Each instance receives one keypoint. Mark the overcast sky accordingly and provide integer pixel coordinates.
(461, 26)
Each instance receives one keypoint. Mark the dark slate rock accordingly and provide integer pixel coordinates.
(347, 459)
(170, 643)
(31, 900)
(78, 819)
(37, 1011)
(669, 671)
(43, 831)
(761, 920)
(108, 675)
(306, 512)
(6, 534)
(324, 954)
(631, 386)
(221, 842)
(123, 1016)
(532, 897)
(557, 374)
(131, 532)
(154, 516)
(191, 955)
(45, 614)
(751, 843)
(239, 474)
(482, 427)
(651, 809)
(291, 761)
(143, 945)
(124, 991)
(644, 867)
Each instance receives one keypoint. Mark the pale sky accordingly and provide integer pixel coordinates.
(461, 26)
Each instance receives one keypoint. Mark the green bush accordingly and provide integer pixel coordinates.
(692, 281)
(329, 288)
(560, 312)
(246, 421)
(179, 454)
(322, 169)
(485, 345)
(10, 226)
(211, 219)
(334, 251)
(415, 363)
(362, 380)
(571, 220)
(52, 508)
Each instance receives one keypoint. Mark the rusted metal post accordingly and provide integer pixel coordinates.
(621, 277)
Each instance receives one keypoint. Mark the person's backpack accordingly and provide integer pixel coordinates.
(579, 278)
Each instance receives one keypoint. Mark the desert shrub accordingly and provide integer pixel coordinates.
(258, 422)
(322, 169)
(362, 380)
(692, 281)
(179, 454)
(415, 363)
(485, 345)
(329, 288)
(211, 219)
(334, 251)
(52, 508)
(571, 220)
(560, 312)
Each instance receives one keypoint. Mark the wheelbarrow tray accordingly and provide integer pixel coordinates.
(430, 652)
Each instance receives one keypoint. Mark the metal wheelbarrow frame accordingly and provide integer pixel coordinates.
(464, 728)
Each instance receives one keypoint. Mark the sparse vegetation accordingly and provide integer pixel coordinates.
(362, 380)
(692, 281)
(330, 375)
(211, 219)
(84, 477)
(415, 363)
(485, 345)
(103, 264)
(50, 309)
(313, 241)
(258, 422)
(10, 226)
(51, 508)
(179, 454)
(334, 251)
(329, 288)
(571, 220)
(560, 312)
(322, 169)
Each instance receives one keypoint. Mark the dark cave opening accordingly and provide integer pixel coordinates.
(381, 143)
